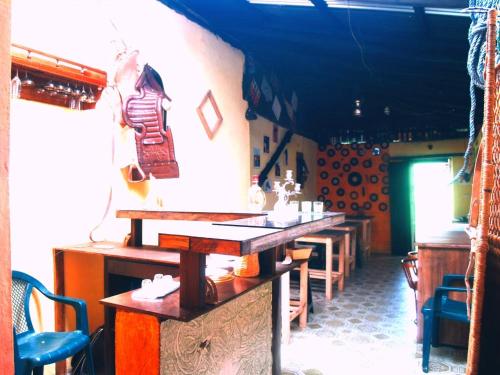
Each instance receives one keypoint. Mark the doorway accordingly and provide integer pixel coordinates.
(421, 199)
(431, 197)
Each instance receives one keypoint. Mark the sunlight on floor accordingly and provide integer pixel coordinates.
(367, 329)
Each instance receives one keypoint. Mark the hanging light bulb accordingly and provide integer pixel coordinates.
(387, 110)
(357, 109)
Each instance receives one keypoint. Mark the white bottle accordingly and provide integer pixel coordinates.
(256, 196)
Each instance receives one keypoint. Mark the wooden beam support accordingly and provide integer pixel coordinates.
(7, 352)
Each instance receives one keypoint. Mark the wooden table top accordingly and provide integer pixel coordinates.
(450, 238)
(169, 306)
(241, 237)
(117, 250)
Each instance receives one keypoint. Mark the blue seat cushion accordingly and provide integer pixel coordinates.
(49, 347)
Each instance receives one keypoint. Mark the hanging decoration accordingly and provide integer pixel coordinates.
(268, 97)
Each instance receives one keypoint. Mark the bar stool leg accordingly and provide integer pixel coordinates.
(348, 253)
(328, 269)
(341, 264)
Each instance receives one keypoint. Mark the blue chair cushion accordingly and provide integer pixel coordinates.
(49, 347)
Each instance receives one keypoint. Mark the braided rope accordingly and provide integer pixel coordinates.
(475, 68)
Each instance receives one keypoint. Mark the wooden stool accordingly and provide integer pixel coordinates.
(351, 243)
(291, 308)
(328, 274)
(366, 232)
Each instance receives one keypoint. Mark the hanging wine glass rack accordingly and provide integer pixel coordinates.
(54, 80)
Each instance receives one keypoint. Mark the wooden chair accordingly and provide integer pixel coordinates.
(331, 276)
(409, 266)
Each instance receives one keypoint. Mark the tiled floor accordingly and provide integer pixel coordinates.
(367, 329)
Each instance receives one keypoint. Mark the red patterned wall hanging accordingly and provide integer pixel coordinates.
(354, 179)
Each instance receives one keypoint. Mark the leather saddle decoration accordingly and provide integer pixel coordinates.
(144, 113)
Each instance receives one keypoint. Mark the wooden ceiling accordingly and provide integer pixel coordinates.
(406, 57)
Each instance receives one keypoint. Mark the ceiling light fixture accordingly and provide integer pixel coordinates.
(357, 108)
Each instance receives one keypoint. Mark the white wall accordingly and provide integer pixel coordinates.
(60, 161)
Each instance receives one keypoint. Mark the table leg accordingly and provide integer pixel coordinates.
(192, 278)
(342, 256)
(328, 269)
(303, 295)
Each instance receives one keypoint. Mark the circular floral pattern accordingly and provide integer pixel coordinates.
(331, 152)
(373, 178)
(346, 167)
(328, 203)
(337, 146)
(325, 190)
(336, 165)
(385, 190)
(382, 206)
(367, 205)
(385, 180)
(354, 195)
(340, 192)
(374, 197)
(335, 181)
(322, 148)
(323, 175)
(341, 204)
(321, 198)
(361, 152)
(321, 162)
(344, 152)
(354, 206)
(354, 161)
(382, 167)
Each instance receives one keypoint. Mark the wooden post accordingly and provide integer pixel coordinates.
(136, 232)
(192, 278)
(7, 352)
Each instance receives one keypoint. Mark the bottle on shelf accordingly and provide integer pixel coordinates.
(256, 196)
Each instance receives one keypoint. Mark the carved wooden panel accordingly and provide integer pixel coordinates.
(232, 339)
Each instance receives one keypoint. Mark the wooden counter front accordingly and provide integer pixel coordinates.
(443, 253)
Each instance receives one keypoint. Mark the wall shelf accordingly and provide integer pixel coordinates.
(54, 80)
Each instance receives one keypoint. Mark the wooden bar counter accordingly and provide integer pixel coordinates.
(439, 254)
(238, 331)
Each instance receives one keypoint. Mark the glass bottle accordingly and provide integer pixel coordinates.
(256, 196)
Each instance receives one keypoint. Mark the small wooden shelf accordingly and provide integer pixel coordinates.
(169, 307)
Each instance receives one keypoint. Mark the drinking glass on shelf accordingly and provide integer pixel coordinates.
(317, 207)
(15, 86)
(294, 206)
(306, 206)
